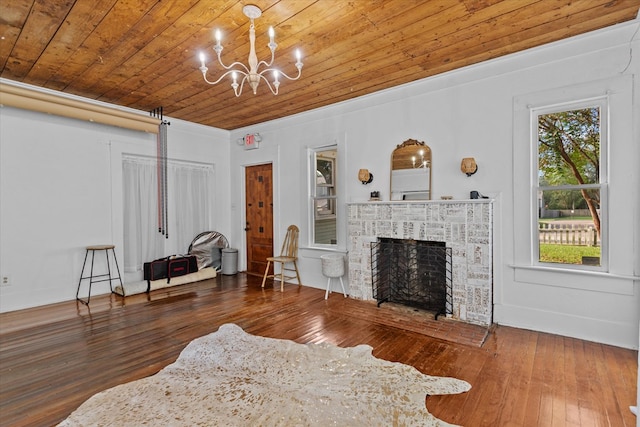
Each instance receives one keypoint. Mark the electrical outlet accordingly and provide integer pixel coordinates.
(6, 281)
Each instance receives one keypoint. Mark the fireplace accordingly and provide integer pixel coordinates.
(465, 229)
(414, 273)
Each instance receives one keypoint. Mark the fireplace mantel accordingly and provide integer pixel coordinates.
(464, 225)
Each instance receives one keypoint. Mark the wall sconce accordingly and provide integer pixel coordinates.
(364, 176)
(469, 166)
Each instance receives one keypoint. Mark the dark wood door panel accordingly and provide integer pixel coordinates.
(259, 215)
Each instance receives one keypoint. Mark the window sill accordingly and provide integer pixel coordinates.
(595, 281)
(318, 251)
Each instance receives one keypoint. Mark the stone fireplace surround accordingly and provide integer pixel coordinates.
(464, 225)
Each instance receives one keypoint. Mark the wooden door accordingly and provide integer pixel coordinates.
(259, 214)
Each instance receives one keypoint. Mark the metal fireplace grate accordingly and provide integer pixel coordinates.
(413, 273)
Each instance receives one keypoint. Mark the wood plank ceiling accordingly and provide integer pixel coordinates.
(144, 53)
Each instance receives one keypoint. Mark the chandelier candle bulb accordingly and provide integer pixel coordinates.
(271, 35)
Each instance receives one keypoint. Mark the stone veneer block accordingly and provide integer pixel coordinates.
(465, 226)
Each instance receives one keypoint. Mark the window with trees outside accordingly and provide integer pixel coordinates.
(571, 192)
(324, 196)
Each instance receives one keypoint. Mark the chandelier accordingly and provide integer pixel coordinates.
(250, 74)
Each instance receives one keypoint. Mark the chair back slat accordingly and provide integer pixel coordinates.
(290, 243)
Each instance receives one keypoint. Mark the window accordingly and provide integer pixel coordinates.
(617, 206)
(191, 210)
(571, 141)
(323, 197)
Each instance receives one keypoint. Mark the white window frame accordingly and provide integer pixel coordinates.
(619, 274)
(312, 156)
(603, 104)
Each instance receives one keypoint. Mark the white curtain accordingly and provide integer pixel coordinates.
(190, 195)
(190, 198)
(142, 242)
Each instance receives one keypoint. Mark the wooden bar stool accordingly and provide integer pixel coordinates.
(91, 276)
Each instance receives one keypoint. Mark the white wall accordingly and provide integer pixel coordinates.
(61, 190)
(467, 113)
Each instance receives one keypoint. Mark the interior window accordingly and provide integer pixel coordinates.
(570, 176)
(324, 195)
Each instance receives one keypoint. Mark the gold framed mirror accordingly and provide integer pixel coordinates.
(411, 171)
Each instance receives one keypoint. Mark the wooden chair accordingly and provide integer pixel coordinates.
(288, 255)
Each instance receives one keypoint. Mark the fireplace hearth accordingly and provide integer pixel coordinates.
(465, 227)
(413, 273)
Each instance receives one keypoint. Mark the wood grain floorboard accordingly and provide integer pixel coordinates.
(53, 358)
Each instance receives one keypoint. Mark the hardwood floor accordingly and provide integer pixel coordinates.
(55, 357)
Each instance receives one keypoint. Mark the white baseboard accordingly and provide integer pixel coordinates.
(590, 329)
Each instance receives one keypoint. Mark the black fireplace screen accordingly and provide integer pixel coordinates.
(414, 273)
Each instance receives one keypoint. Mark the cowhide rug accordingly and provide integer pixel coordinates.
(231, 378)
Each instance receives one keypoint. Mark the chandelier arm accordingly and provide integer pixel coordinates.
(275, 92)
(265, 63)
(218, 49)
(229, 67)
(280, 73)
(238, 92)
(204, 75)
